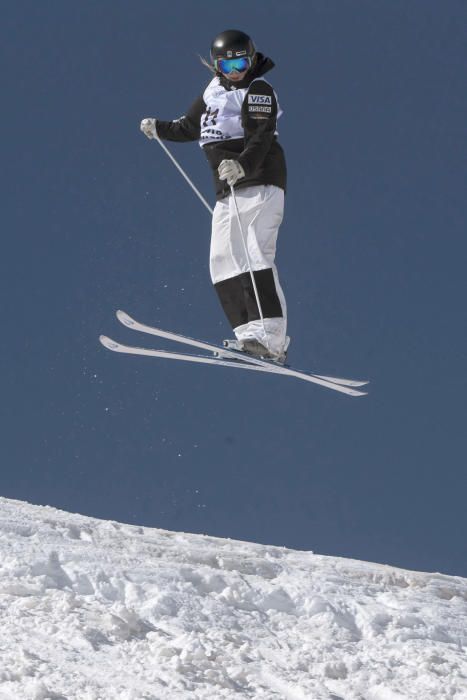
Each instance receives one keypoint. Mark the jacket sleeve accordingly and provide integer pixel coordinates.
(187, 128)
(259, 117)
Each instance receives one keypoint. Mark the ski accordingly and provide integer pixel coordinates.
(204, 359)
(223, 352)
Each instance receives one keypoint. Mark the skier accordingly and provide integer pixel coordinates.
(235, 122)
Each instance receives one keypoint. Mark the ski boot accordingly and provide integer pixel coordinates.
(254, 348)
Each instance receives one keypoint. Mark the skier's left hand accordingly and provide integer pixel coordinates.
(230, 170)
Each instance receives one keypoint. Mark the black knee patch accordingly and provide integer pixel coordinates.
(237, 296)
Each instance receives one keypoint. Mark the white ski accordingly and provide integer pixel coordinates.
(224, 352)
(148, 352)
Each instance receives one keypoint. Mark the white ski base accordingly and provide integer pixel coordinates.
(130, 322)
(114, 346)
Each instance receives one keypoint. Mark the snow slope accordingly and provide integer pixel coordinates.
(96, 610)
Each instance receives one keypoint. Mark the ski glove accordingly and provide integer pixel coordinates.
(230, 170)
(148, 127)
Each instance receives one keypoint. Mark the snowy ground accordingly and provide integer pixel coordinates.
(95, 610)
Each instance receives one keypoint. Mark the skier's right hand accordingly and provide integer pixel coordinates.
(148, 127)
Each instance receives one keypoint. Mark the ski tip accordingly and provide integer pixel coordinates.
(360, 382)
(108, 342)
(124, 318)
(349, 391)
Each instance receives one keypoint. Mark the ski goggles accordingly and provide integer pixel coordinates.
(229, 65)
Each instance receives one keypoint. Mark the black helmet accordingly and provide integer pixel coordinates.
(232, 44)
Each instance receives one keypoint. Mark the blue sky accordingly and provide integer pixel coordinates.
(371, 256)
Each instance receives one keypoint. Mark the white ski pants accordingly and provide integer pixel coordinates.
(261, 210)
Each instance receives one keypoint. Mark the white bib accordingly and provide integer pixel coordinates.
(222, 119)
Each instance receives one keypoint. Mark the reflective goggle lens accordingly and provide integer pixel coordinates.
(229, 65)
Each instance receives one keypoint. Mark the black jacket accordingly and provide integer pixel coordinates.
(259, 151)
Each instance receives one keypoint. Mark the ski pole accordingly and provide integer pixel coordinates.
(248, 260)
(180, 169)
